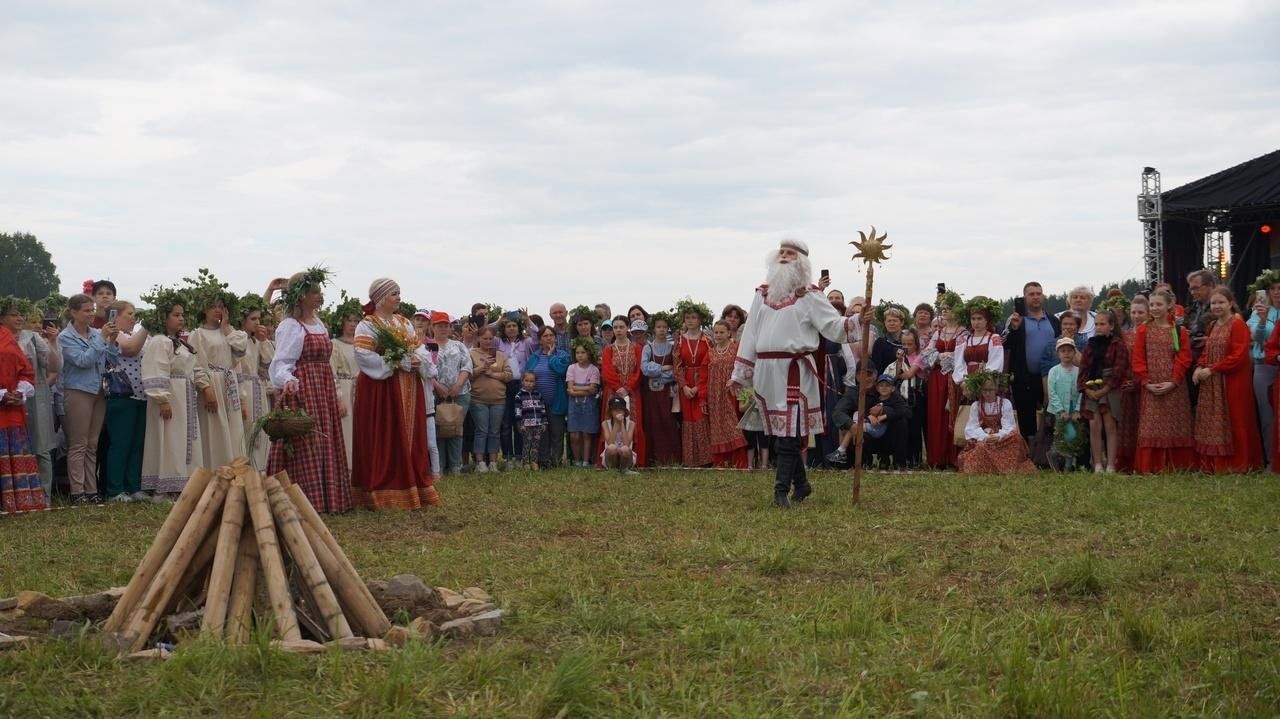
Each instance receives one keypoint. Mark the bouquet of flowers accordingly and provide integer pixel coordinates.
(393, 343)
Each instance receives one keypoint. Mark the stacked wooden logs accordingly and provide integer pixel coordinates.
(230, 533)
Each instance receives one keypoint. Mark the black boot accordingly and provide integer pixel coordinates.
(780, 499)
(802, 491)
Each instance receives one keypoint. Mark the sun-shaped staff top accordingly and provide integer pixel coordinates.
(871, 248)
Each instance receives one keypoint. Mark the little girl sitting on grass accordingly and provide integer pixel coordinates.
(619, 434)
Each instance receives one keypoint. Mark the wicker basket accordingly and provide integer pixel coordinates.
(288, 427)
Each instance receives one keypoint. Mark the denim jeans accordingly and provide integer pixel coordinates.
(487, 419)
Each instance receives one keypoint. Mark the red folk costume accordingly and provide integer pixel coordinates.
(661, 430)
(1226, 412)
(1127, 422)
(944, 403)
(20, 489)
(389, 452)
(317, 462)
(728, 446)
(621, 370)
(1165, 440)
(692, 362)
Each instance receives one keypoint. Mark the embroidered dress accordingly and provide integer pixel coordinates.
(1226, 412)
(172, 449)
(944, 398)
(659, 392)
(985, 351)
(253, 396)
(345, 372)
(20, 489)
(728, 446)
(1165, 441)
(620, 369)
(316, 462)
(40, 406)
(1006, 454)
(692, 359)
(222, 432)
(391, 465)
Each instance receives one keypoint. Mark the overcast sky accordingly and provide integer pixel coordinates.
(529, 152)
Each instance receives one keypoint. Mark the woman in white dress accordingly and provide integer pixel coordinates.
(217, 347)
(172, 449)
(342, 326)
(250, 370)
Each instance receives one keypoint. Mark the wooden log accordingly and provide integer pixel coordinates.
(312, 575)
(159, 549)
(354, 593)
(156, 598)
(264, 531)
(189, 594)
(244, 588)
(224, 560)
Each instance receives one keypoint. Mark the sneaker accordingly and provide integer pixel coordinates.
(493, 466)
(96, 499)
(79, 499)
(631, 473)
(141, 496)
(121, 498)
(1111, 469)
(481, 467)
(838, 457)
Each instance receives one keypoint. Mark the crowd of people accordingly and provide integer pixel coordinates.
(135, 399)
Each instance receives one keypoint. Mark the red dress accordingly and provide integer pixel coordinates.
(391, 467)
(728, 446)
(317, 462)
(692, 363)
(622, 370)
(1226, 413)
(944, 402)
(20, 489)
(1165, 440)
(661, 430)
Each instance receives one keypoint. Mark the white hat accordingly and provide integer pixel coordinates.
(797, 245)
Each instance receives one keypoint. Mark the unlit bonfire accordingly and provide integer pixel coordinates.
(240, 549)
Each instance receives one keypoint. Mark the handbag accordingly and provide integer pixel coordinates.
(962, 419)
(116, 384)
(449, 419)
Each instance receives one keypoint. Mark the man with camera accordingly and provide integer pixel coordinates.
(1026, 334)
(1200, 286)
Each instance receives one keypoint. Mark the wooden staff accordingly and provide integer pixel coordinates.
(305, 559)
(871, 251)
(224, 560)
(244, 587)
(160, 546)
(352, 591)
(167, 577)
(264, 529)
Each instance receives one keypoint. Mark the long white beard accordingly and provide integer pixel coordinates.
(785, 279)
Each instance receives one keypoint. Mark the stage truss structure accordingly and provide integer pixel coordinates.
(1149, 213)
(1216, 255)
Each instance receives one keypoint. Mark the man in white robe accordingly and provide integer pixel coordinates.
(776, 357)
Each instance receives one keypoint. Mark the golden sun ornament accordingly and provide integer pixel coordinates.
(871, 248)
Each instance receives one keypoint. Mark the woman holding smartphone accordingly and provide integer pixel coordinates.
(85, 352)
(1264, 312)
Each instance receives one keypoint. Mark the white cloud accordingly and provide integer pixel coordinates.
(575, 151)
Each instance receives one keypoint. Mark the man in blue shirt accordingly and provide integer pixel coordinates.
(1025, 337)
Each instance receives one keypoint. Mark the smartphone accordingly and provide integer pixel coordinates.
(825, 274)
(49, 323)
(111, 316)
(1260, 297)
(1020, 305)
(942, 288)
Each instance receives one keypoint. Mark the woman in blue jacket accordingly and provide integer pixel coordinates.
(85, 352)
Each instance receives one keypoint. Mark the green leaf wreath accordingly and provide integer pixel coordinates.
(973, 382)
(204, 291)
(685, 306)
(950, 300)
(907, 320)
(1265, 281)
(585, 343)
(980, 303)
(334, 315)
(313, 278)
(1069, 438)
(162, 300)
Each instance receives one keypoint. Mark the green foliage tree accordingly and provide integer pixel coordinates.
(26, 268)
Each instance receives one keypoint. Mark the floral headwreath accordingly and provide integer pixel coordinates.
(1265, 281)
(883, 306)
(1115, 302)
(313, 278)
(973, 382)
(162, 300)
(663, 316)
(950, 300)
(985, 305)
(686, 306)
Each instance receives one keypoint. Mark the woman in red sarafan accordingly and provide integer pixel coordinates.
(728, 446)
(1161, 358)
(693, 356)
(1226, 413)
(620, 376)
(20, 489)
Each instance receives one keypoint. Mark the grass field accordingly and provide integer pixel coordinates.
(688, 594)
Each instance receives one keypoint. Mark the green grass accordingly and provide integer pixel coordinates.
(688, 594)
